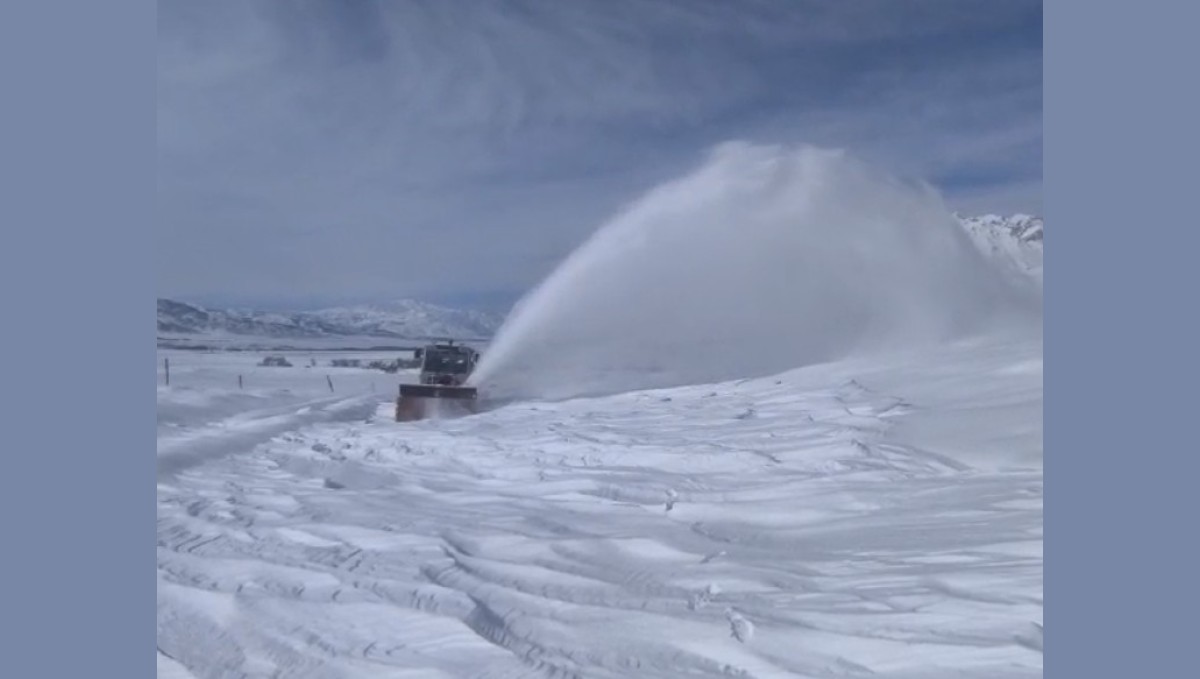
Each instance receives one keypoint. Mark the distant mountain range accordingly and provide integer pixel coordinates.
(1014, 241)
(402, 319)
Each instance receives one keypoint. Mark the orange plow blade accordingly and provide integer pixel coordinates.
(423, 401)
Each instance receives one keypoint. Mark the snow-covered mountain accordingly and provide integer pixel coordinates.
(399, 319)
(1014, 241)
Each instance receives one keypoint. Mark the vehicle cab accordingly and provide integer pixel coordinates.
(447, 363)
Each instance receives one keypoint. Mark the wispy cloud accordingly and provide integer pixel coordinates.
(335, 149)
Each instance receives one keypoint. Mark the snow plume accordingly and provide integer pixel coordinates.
(763, 259)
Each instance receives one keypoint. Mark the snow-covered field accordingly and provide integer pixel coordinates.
(869, 517)
(262, 343)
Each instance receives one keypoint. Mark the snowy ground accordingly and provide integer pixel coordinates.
(871, 518)
(204, 413)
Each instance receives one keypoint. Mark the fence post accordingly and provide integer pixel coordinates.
(167, 370)
(330, 381)
(239, 381)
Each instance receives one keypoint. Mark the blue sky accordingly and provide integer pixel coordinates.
(324, 152)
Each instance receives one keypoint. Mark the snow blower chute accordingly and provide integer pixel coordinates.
(445, 368)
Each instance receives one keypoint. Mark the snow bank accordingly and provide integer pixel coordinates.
(763, 259)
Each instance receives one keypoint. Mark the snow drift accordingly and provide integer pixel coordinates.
(763, 259)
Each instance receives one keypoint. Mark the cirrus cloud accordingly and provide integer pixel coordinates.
(327, 150)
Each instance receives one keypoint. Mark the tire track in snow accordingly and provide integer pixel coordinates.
(242, 433)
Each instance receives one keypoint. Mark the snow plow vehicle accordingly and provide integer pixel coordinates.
(442, 390)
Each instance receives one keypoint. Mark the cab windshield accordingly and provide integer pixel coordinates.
(447, 362)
